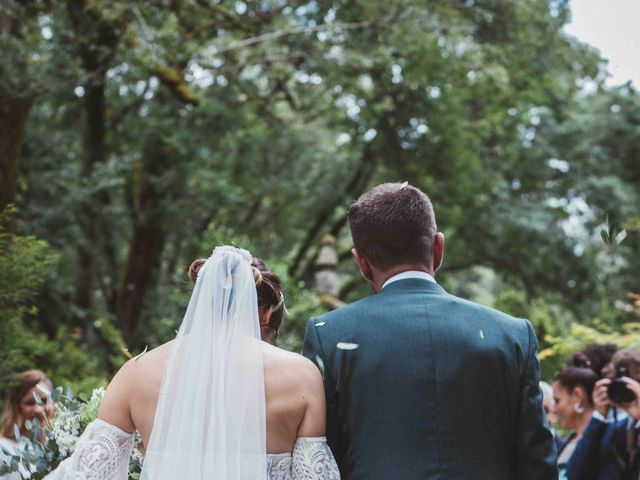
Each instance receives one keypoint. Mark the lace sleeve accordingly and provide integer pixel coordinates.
(102, 453)
(312, 460)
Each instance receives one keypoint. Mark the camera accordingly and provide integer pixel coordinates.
(617, 390)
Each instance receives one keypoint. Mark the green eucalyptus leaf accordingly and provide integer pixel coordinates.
(56, 394)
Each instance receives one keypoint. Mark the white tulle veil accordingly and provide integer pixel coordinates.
(210, 421)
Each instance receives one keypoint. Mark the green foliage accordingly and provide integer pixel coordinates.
(514, 303)
(548, 320)
(258, 125)
(25, 262)
(579, 336)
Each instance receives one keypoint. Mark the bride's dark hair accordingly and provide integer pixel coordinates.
(268, 288)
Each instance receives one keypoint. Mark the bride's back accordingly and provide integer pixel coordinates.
(293, 391)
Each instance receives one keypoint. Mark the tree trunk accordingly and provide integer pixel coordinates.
(149, 234)
(96, 42)
(14, 111)
(88, 215)
(16, 99)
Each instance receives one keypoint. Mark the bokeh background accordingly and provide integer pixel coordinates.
(137, 135)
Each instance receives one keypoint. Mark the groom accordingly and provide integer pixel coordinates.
(421, 384)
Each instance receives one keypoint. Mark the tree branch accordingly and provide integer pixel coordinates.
(265, 37)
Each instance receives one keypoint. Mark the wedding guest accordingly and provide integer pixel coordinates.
(597, 357)
(572, 391)
(20, 406)
(548, 403)
(610, 448)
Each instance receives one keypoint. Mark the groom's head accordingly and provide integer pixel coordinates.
(394, 229)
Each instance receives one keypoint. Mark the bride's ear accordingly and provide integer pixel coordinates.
(438, 251)
(265, 316)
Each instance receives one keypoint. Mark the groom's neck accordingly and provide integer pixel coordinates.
(381, 276)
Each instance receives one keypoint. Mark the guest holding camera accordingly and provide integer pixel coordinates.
(610, 448)
(572, 391)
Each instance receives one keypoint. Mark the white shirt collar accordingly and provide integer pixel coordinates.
(409, 274)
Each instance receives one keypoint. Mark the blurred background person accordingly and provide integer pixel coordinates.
(549, 406)
(610, 448)
(595, 356)
(20, 406)
(598, 357)
(572, 392)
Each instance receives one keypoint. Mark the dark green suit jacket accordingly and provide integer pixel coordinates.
(430, 386)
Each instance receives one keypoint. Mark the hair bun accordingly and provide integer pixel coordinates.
(257, 275)
(195, 268)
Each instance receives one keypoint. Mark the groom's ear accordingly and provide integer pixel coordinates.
(438, 251)
(363, 265)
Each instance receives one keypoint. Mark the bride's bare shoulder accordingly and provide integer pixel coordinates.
(151, 359)
(299, 380)
(292, 366)
(139, 376)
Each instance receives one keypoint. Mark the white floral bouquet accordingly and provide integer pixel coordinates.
(42, 450)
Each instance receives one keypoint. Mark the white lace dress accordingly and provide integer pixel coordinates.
(103, 453)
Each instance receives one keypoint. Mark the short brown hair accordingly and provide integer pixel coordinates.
(627, 358)
(393, 224)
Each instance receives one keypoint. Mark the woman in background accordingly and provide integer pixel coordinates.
(572, 391)
(21, 406)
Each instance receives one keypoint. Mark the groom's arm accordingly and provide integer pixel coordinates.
(314, 352)
(536, 456)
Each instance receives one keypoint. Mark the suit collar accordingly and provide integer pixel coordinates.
(408, 274)
(412, 284)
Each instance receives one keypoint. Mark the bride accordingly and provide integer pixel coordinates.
(216, 402)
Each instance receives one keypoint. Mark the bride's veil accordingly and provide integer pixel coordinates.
(210, 421)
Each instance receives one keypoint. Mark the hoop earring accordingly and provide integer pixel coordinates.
(578, 408)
